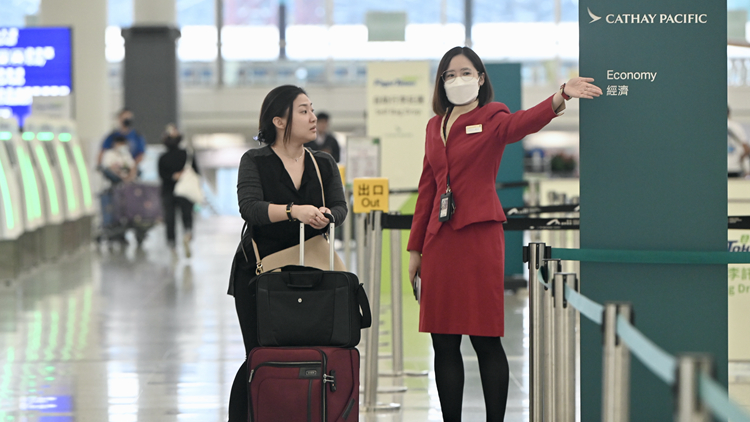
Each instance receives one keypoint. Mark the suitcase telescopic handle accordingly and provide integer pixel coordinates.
(331, 236)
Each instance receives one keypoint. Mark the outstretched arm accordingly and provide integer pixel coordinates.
(577, 87)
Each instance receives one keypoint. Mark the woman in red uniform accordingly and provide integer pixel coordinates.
(457, 243)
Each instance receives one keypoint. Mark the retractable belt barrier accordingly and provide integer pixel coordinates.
(498, 186)
(696, 390)
(651, 257)
(403, 222)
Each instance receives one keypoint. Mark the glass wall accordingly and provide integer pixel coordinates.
(253, 12)
(335, 29)
(195, 12)
(348, 12)
(14, 12)
(327, 40)
(120, 13)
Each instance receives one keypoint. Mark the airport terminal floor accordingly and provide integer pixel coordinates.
(136, 335)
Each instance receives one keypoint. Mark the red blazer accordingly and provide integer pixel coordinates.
(474, 160)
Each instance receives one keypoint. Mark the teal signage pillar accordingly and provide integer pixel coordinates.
(654, 177)
(506, 82)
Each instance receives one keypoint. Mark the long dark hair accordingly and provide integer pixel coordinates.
(440, 102)
(278, 103)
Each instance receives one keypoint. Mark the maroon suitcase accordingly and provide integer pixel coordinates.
(137, 204)
(305, 384)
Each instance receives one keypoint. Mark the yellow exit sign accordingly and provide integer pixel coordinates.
(370, 194)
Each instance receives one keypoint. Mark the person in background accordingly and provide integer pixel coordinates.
(118, 165)
(136, 142)
(324, 141)
(171, 165)
(457, 243)
(737, 147)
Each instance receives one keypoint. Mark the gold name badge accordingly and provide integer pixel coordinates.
(473, 129)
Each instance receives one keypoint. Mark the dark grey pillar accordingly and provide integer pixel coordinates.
(468, 21)
(150, 78)
(282, 30)
(219, 57)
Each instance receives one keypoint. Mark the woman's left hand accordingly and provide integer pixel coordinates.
(579, 87)
(321, 222)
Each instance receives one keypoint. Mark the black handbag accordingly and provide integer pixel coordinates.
(302, 306)
(305, 306)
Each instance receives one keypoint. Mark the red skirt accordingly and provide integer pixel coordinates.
(462, 281)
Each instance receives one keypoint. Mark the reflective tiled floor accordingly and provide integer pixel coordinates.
(136, 335)
(129, 335)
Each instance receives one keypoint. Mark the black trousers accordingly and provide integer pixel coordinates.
(171, 204)
(246, 306)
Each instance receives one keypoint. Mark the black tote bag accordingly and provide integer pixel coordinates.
(303, 306)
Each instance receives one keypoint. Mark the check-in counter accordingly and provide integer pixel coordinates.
(11, 204)
(38, 135)
(30, 185)
(80, 204)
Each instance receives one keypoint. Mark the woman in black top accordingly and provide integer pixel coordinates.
(171, 164)
(273, 179)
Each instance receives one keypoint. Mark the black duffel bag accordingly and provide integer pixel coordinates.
(303, 306)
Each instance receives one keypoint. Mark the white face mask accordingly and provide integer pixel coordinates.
(462, 92)
(123, 149)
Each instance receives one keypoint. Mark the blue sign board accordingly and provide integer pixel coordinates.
(34, 62)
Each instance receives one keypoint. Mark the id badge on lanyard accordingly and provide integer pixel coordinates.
(447, 203)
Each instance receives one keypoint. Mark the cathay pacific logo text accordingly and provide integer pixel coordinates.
(651, 18)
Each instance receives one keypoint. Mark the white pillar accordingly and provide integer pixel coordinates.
(154, 12)
(88, 18)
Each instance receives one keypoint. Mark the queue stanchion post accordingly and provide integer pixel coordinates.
(397, 329)
(554, 266)
(533, 254)
(549, 236)
(332, 238)
(564, 349)
(616, 365)
(536, 195)
(371, 358)
(302, 243)
(576, 236)
(397, 324)
(577, 347)
(348, 232)
(562, 234)
(536, 200)
(397, 317)
(688, 405)
(362, 237)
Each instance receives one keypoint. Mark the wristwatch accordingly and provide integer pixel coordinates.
(565, 96)
(289, 211)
